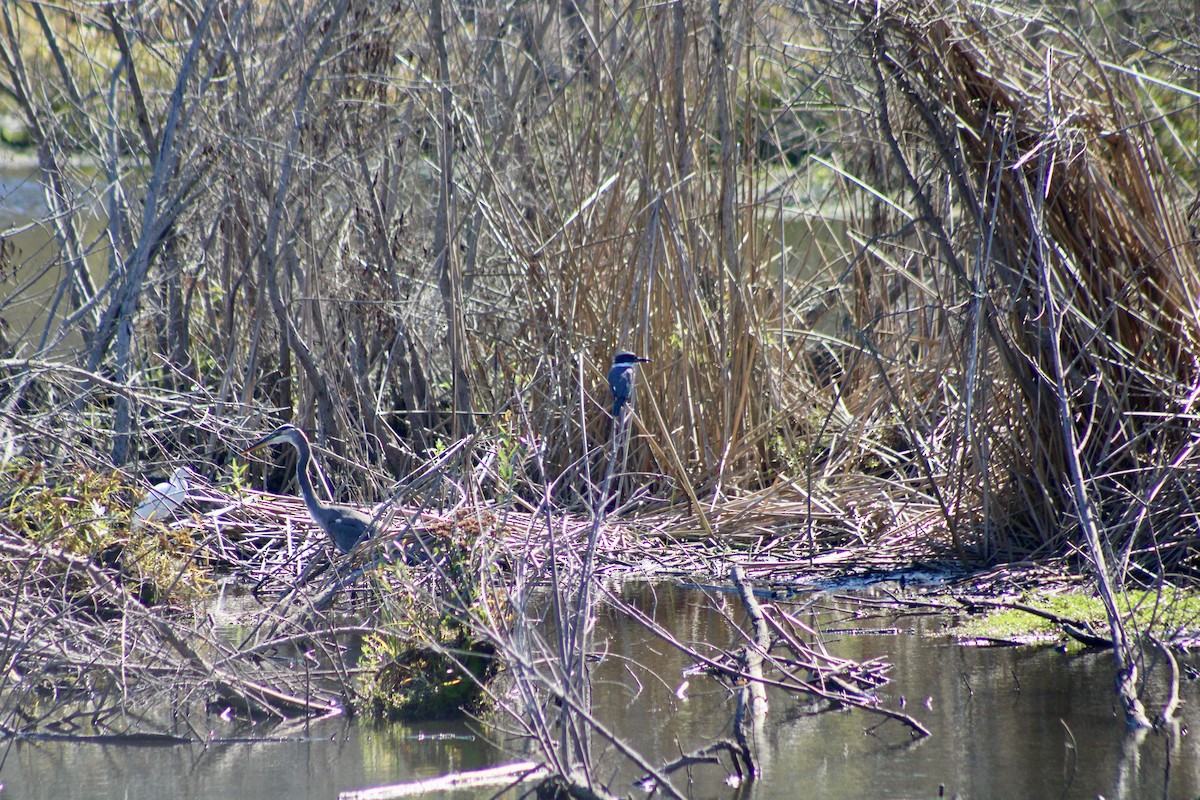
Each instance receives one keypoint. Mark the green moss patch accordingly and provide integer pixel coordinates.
(1168, 614)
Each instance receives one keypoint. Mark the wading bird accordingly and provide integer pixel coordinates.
(346, 526)
(164, 498)
(620, 379)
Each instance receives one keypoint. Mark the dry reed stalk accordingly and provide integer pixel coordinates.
(1072, 256)
(1035, 141)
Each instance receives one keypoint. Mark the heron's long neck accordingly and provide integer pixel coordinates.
(306, 488)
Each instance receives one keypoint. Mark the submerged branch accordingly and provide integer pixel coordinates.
(509, 775)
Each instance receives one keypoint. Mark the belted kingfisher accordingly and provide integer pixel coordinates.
(620, 379)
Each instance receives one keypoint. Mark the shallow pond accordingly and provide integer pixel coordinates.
(1027, 722)
(30, 272)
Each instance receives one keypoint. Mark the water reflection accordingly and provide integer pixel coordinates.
(21, 195)
(335, 757)
(31, 268)
(1028, 722)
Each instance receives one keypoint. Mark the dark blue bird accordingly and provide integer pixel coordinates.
(620, 379)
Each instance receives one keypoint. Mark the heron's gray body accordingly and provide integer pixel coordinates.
(345, 526)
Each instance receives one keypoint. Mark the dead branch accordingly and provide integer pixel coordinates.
(505, 775)
(752, 696)
(1167, 713)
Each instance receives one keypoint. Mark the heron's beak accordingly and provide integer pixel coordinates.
(263, 442)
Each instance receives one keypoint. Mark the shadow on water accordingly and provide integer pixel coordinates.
(1028, 722)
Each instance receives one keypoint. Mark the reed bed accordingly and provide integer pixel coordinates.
(918, 281)
(841, 237)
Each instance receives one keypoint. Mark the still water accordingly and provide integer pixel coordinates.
(1027, 722)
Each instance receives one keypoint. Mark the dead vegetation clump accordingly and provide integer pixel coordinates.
(1048, 225)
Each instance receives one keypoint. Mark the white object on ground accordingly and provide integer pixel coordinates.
(164, 498)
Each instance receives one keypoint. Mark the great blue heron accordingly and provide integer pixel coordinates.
(620, 379)
(346, 526)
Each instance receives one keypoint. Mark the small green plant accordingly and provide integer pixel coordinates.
(407, 679)
(239, 476)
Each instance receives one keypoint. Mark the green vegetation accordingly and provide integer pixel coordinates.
(1166, 614)
(89, 516)
(1010, 625)
(410, 680)
(426, 658)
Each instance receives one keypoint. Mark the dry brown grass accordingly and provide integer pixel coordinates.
(842, 235)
